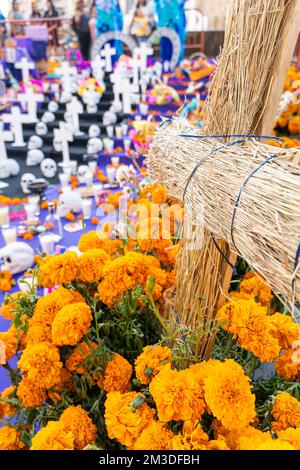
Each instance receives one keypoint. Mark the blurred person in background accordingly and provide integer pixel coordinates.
(16, 15)
(142, 21)
(51, 12)
(93, 25)
(82, 28)
(35, 13)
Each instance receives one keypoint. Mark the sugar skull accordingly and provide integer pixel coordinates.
(34, 157)
(35, 142)
(48, 168)
(69, 201)
(41, 129)
(94, 146)
(26, 179)
(16, 257)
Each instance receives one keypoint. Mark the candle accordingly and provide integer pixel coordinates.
(47, 243)
(4, 217)
(110, 171)
(110, 131)
(115, 161)
(127, 144)
(87, 208)
(119, 132)
(64, 179)
(124, 129)
(9, 234)
(92, 167)
(110, 145)
(88, 178)
(35, 200)
(144, 108)
(30, 210)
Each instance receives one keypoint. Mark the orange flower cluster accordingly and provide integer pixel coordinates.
(152, 360)
(286, 412)
(99, 240)
(6, 281)
(127, 272)
(116, 376)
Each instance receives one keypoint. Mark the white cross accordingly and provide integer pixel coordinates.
(97, 68)
(15, 118)
(116, 78)
(31, 99)
(140, 55)
(65, 135)
(64, 71)
(75, 107)
(25, 66)
(128, 89)
(108, 52)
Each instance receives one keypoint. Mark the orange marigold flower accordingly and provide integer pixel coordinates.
(286, 330)
(10, 304)
(286, 412)
(70, 217)
(65, 383)
(117, 374)
(151, 361)
(249, 438)
(154, 437)
(59, 269)
(71, 323)
(5, 408)
(29, 394)
(91, 265)
(53, 437)
(95, 220)
(42, 364)
(10, 439)
(228, 395)
(91, 240)
(77, 422)
(177, 396)
(8, 345)
(288, 365)
(78, 359)
(195, 439)
(275, 444)
(255, 286)
(292, 436)
(126, 417)
(28, 236)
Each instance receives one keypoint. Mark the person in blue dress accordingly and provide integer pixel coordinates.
(109, 18)
(171, 14)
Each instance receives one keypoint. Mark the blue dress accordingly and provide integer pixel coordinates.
(171, 14)
(109, 18)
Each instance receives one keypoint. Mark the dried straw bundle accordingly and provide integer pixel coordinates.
(259, 42)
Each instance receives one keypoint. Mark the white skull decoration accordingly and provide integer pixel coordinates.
(26, 179)
(48, 168)
(16, 257)
(109, 118)
(48, 117)
(53, 106)
(34, 157)
(94, 146)
(91, 108)
(94, 131)
(81, 172)
(35, 142)
(9, 168)
(69, 201)
(41, 129)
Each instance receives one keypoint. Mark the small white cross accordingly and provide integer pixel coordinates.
(24, 65)
(15, 118)
(116, 78)
(31, 99)
(75, 107)
(65, 135)
(97, 68)
(108, 52)
(128, 89)
(64, 71)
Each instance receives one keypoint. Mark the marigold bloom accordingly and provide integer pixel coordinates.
(287, 365)
(154, 437)
(77, 421)
(8, 345)
(151, 361)
(124, 422)
(42, 364)
(275, 444)
(196, 439)
(76, 361)
(93, 240)
(91, 265)
(228, 395)
(285, 329)
(286, 412)
(256, 287)
(251, 438)
(71, 323)
(117, 374)
(5, 408)
(177, 396)
(59, 269)
(10, 439)
(292, 436)
(53, 437)
(10, 305)
(30, 394)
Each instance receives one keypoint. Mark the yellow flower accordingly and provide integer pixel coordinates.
(251, 438)
(77, 422)
(10, 304)
(124, 422)
(42, 364)
(285, 329)
(154, 437)
(292, 436)
(151, 361)
(287, 365)
(92, 240)
(5, 408)
(286, 411)
(195, 439)
(275, 444)
(91, 265)
(255, 286)
(117, 374)
(71, 323)
(77, 360)
(10, 439)
(177, 396)
(53, 437)
(59, 269)
(30, 394)
(228, 395)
